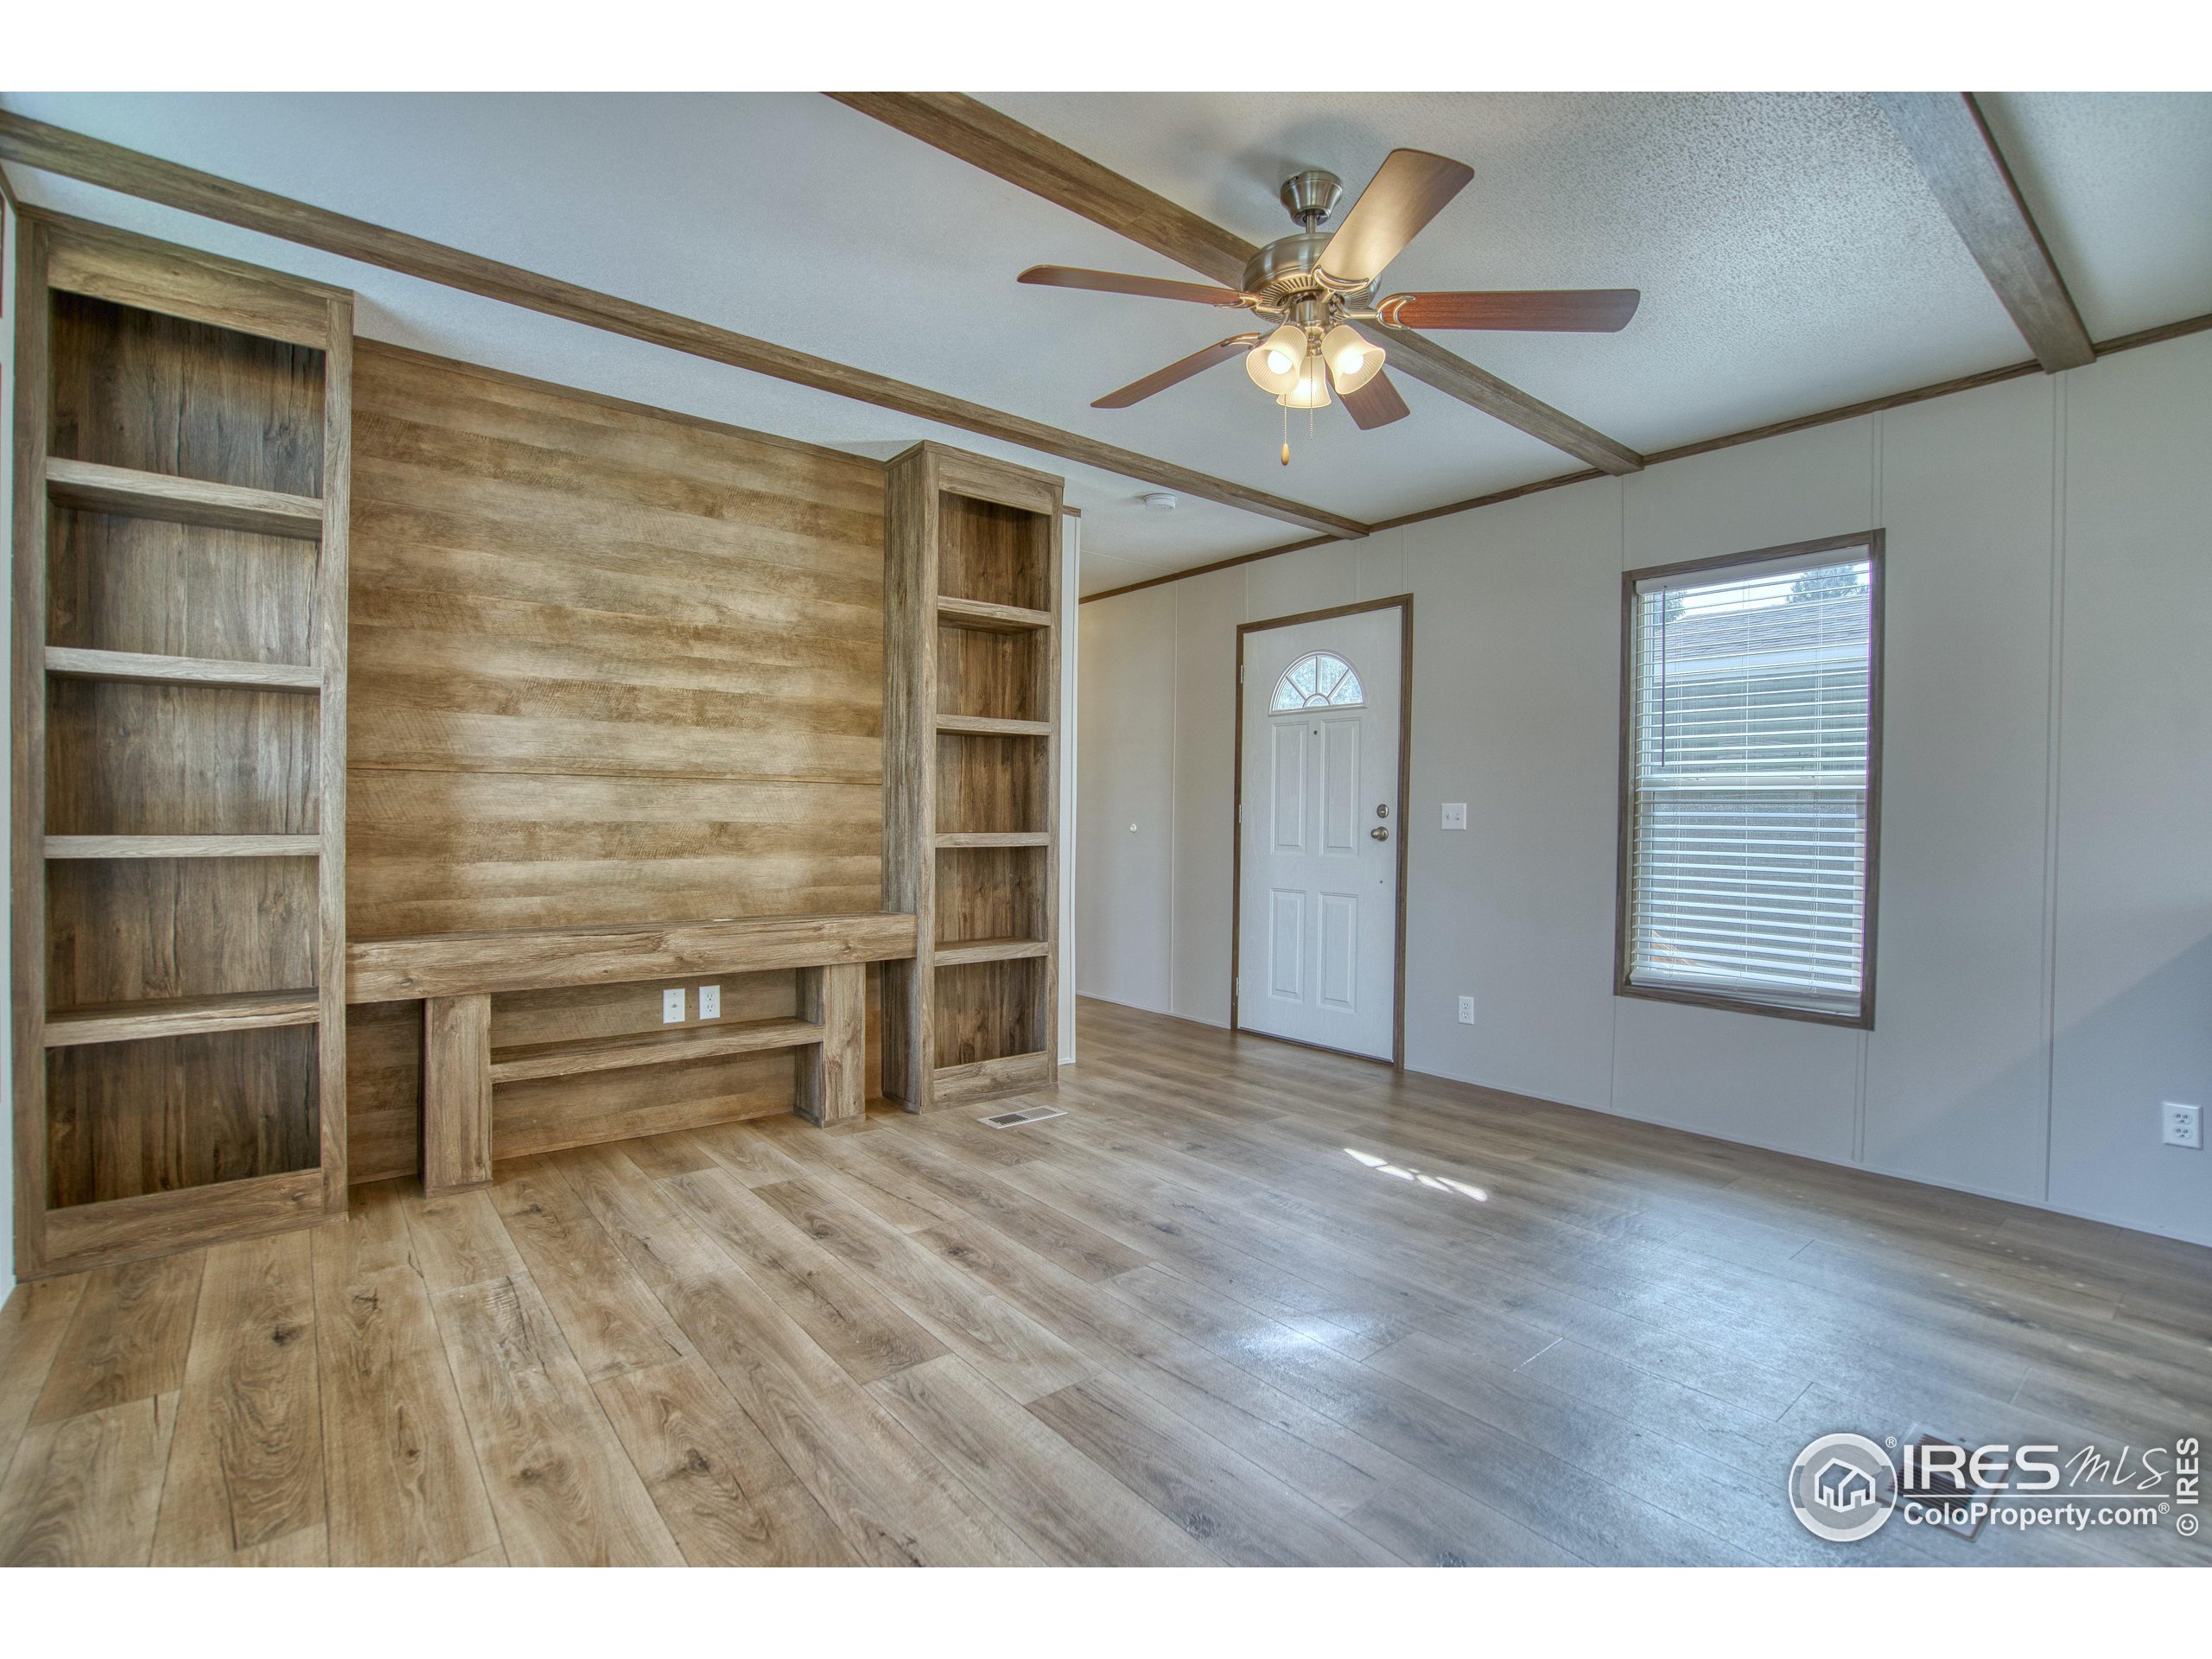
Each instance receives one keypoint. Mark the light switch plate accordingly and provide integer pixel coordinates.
(710, 1002)
(1455, 815)
(671, 1006)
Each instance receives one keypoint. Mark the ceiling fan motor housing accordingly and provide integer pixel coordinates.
(1311, 195)
(1285, 272)
(1282, 277)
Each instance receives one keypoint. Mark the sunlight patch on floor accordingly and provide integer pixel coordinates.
(1441, 1182)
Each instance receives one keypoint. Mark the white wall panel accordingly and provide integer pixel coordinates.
(1516, 642)
(1125, 882)
(1784, 1083)
(2134, 1001)
(1207, 611)
(1381, 567)
(1788, 489)
(1957, 1069)
(1297, 582)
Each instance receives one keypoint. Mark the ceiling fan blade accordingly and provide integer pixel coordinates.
(1182, 369)
(1410, 188)
(1114, 281)
(1574, 310)
(1376, 404)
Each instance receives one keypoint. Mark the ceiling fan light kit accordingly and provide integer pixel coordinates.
(1353, 358)
(1310, 390)
(1276, 362)
(1314, 284)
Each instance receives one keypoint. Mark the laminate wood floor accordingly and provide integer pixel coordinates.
(1244, 1303)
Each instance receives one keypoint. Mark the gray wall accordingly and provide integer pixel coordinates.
(2045, 943)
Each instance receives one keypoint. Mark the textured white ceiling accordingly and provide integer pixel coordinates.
(1790, 258)
(2121, 187)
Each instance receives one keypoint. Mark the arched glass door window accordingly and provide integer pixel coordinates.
(1318, 680)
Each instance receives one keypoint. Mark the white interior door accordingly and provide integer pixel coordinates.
(1317, 902)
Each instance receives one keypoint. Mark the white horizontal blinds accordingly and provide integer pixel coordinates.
(1748, 780)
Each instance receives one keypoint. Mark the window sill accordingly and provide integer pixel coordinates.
(1860, 1019)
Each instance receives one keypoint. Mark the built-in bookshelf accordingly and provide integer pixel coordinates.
(179, 724)
(972, 743)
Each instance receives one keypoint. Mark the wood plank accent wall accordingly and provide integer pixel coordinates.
(609, 664)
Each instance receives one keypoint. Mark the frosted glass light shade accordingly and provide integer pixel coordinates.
(1275, 362)
(1353, 360)
(1310, 389)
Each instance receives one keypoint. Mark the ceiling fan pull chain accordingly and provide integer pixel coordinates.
(1286, 435)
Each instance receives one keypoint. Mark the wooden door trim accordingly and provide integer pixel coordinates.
(1405, 602)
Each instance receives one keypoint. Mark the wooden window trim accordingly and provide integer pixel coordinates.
(1623, 918)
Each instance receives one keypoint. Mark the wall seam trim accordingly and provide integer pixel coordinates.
(1877, 509)
(1174, 825)
(2054, 733)
(1613, 1019)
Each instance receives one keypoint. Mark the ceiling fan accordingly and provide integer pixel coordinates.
(1315, 284)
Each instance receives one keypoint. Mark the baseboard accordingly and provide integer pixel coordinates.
(2202, 1238)
(1886, 1172)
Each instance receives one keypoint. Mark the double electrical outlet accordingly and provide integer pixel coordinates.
(672, 1001)
(2182, 1126)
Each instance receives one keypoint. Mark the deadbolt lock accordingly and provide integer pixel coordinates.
(1383, 811)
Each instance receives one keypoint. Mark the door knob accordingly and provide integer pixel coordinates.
(1379, 833)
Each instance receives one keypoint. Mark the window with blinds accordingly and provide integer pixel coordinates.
(1748, 825)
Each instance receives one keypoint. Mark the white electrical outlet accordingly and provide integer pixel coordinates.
(2185, 1125)
(671, 1006)
(710, 1002)
(1455, 815)
(1467, 1010)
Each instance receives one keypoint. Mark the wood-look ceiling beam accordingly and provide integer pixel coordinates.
(56, 149)
(1952, 145)
(983, 137)
(975, 133)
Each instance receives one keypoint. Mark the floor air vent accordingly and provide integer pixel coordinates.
(1027, 1114)
(1942, 1498)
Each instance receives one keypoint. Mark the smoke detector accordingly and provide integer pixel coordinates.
(1159, 501)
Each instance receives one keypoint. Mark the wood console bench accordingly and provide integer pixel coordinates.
(457, 975)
